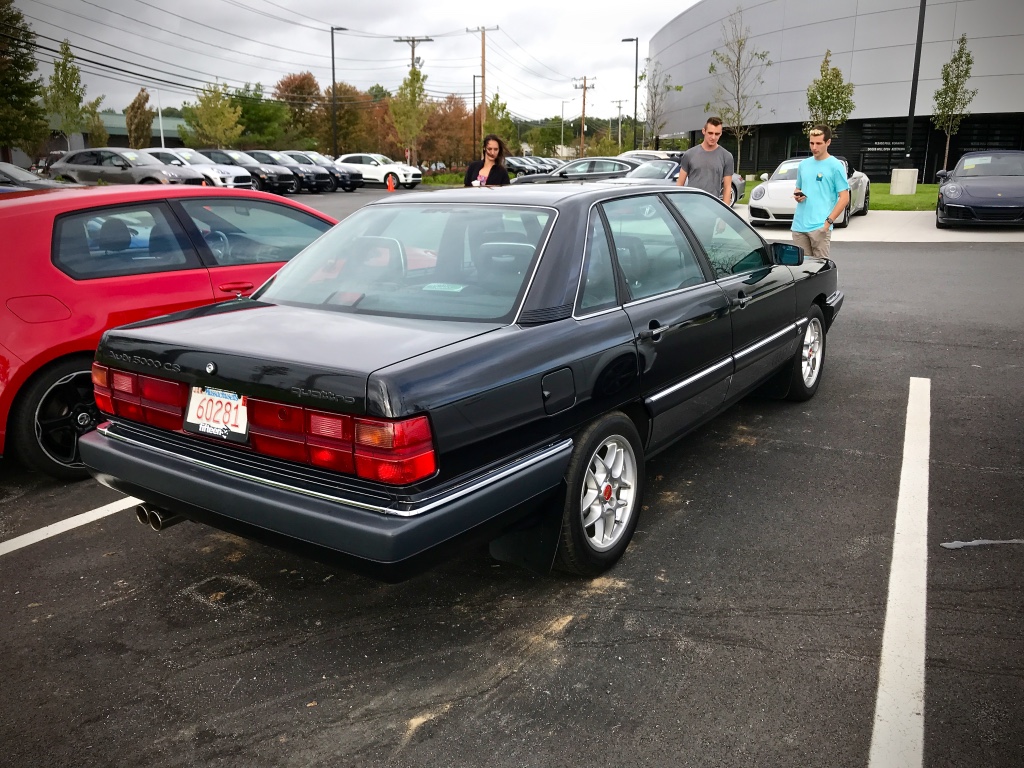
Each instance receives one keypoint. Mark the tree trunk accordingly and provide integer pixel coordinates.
(945, 160)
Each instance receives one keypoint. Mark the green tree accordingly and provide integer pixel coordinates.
(953, 97)
(410, 110)
(829, 97)
(657, 86)
(98, 134)
(499, 122)
(378, 92)
(212, 121)
(171, 112)
(22, 119)
(265, 120)
(544, 138)
(138, 118)
(738, 69)
(64, 96)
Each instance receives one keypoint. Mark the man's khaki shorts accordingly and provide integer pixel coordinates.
(814, 243)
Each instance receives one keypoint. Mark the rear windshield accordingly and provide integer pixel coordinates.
(452, 262)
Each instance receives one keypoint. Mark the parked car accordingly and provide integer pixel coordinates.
(439, 369)
(517, 166)
(117, 165)
(378, 168)
(772, 202)
(341, 178)
(13, 176)
(983, 188)
(233, 176)
(308, 177)
(585, 169)
(88, 259)
(266, 177)
(667, 172)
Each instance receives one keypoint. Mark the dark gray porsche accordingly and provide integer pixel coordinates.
(460, 366)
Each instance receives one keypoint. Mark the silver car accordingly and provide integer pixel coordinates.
(216, 175)
(667, 171)
(117, 165)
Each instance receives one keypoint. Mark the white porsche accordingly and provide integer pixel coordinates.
(772, 202)
(377, 168)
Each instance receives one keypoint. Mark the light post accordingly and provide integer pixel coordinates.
(334, 95)
(636, 80)
(475, 78)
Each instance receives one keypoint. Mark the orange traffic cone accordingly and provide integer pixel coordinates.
(391, 183)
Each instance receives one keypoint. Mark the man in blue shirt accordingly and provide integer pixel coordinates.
(822, 194)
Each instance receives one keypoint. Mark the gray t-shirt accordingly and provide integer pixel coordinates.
(706, 170)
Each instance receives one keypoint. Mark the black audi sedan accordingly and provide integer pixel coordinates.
(983, 188)
(476, 364)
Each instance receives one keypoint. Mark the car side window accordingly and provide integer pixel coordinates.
(82, 158)
(654, 255)
(109, 159)
(582, 167)
(598, 285)
(731, 246)
(240, 231)
(128, 240)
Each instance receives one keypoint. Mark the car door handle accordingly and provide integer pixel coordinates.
(740, 301)
(652, 333)
(234, 287)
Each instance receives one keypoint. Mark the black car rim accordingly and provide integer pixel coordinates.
(66, 411)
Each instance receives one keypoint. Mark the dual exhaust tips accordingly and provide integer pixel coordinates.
(156, 518)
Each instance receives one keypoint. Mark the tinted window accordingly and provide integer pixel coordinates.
(464, 262)
(598, 286)
(82, 158)
(123, 241)
(730, 244)
(654, 255)
(252, 231)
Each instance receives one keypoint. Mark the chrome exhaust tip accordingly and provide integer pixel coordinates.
(159, 519)
(142, 514)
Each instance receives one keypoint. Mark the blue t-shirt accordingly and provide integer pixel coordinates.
(821, 181)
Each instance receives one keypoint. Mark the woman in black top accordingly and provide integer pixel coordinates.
(490, 171)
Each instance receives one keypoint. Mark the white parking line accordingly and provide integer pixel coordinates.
(11, 545)
(897, 740)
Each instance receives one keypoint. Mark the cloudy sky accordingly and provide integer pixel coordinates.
(537, 50)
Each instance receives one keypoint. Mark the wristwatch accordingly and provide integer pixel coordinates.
(829, 220)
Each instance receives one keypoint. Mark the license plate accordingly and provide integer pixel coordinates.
(217, 413)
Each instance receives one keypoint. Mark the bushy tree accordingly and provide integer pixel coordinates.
(410, 109)
(953, 97)
(738, 68)
(265, 121)
(499, 122)
(22, 119)
(350, 110)
(300, 92)
(212, 121)
(829, 97)
(64, 95)
(99, 136)
(544, 138)
(138, 118)
(378, 92)
(448, 133)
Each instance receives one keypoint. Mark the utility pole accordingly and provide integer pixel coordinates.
(334, 95)
(483, 71)
(412, 42)
(561, 145)
(583, 120)
(619, 104)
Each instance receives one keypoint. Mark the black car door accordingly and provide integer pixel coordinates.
(680, 316)
(761, 294)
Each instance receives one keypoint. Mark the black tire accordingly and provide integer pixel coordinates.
(410, 186)
(350, 189)
(735, 197)
(589, 550)
(55, 408)
(867, 203)
(809, 360)
(149, 181)
(394, 180)
(940, 224)
(332, 184)
(844, 222)
(294, 187)
(259, 184)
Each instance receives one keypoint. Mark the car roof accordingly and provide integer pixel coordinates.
(528, 194)
(59, 200)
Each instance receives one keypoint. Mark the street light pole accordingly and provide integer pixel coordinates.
(636, 80)
(334, 95)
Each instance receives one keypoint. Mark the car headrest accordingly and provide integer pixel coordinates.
(114, 235)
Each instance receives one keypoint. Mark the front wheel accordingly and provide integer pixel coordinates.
(867, 203)
(735, 197)
(809, 361)
(295, 187)
(844, 222)
(53, 411)
(940, 224)
(410, 186)
(259, 184)
(604, 489)
(332, 185)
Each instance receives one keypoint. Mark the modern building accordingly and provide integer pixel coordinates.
(873, 42)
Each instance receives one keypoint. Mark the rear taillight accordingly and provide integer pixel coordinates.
(158, 402)
(394, 452)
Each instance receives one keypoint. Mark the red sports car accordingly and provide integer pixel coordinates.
(80, 261)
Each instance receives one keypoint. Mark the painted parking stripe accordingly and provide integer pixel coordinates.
(897, 739)
(11, 545)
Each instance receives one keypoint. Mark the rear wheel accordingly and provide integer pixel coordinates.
(809, 361)
(604, 488)
(867, 202)
(53, 411)
(735, 196)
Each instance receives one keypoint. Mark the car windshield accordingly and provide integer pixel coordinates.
(241, 157)
(655, 169)
(786, 171)
(137, 158)
(192, 157)
(16, 173)
(383, 160)
(465, 262)
(994, 164)
(282, 159)
(319, 159)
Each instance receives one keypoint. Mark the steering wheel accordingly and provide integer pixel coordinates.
(218, 243)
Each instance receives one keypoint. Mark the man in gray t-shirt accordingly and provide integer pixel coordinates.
(708, 166)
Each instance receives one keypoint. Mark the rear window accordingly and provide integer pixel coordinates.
(453, 262)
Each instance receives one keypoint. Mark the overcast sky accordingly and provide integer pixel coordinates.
(539, 46)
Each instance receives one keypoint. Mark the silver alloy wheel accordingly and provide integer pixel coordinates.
(608, 498)
(810, 360)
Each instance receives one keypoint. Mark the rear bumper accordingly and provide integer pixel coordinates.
(391, 540)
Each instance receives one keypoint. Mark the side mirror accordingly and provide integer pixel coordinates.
(787, 254)
(764, 177)
(564, 174)
(941, 175)
(122, 164)
(176, 162)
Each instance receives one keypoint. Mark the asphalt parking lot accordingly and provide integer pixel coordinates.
(751, 622)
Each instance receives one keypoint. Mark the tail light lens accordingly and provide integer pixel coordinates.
(394, 452)
(158, 402)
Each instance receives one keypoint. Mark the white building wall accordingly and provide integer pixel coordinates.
(872, 42)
